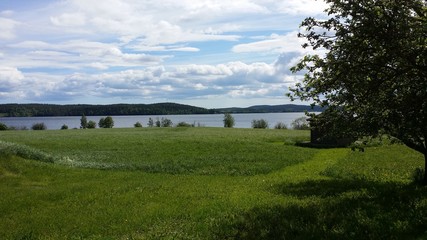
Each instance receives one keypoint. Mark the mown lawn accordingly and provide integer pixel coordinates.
(203, 183)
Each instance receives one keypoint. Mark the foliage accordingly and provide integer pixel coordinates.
(41, 110)
(259, 123)
(418, 176)
(39, 126)
(107, 122)
(280, 125)
(228, 120)
(158, 123)
(3, 127)
(64, 127)
(150, 122)
(184, 124)
(373, 75)
(83, 122)
(91, 124)
(163, 122)
(166, 122)
(300, 123)
(137, 125)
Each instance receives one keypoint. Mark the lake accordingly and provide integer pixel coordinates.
(242, 120)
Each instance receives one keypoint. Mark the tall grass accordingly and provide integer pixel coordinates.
(207, 151)
(12, 149)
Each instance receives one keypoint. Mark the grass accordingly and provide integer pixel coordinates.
(211, 151)
(203, 183)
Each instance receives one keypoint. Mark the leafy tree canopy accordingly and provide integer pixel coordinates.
(107, 122)
(373, 76)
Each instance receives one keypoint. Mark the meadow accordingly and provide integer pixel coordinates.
(204, 183)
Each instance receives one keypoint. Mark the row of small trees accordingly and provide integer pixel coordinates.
(298, 124)
(106, 122)
(229, 122)
(164, 122)
(35, 126)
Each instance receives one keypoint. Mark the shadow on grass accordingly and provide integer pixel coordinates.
(335, 209)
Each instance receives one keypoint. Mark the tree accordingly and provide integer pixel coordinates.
(300, 123)
(158, 123)
(166, 122)
(259, 123)
(3, 127)
(373, 76)
(83, 122)
(107, 122)
(150, 122)
(228, 120)
(91, 124)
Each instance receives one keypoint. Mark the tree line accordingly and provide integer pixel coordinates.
(52, 110)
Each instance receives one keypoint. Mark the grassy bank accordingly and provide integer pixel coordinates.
(203, 183)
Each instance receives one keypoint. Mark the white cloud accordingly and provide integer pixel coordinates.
(233, 79)
(145, 49)
(274, 43)
(7, 28)
(11, 80)
(69, 20)
(302, 7)
(10, 74)
(77, 54)
(7, 13)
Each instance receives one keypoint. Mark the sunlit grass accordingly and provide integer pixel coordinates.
(203, 183)
(206, 151)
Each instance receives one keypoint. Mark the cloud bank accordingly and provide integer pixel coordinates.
(209, 52)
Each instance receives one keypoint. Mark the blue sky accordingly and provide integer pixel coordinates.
(207, 53)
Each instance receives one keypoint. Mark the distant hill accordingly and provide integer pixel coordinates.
(52, 110)
(270, 109)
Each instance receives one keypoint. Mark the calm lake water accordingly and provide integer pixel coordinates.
(242, 120)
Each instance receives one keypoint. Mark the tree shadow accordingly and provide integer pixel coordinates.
(335, 209)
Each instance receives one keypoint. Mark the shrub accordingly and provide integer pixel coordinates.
(228, 120)
(38, 126)
(107, 122)
(166, 122)
(280, 125)
(91, 124)
(184, 124)
(261, 123)
(3, 127)
(64, 127)
(300, 124)
(137, 125)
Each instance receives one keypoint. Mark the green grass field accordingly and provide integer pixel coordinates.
(204, 183)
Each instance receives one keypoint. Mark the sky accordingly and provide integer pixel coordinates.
(206, 53)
